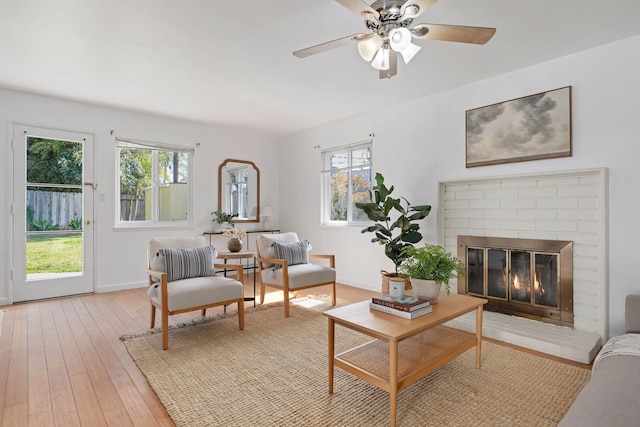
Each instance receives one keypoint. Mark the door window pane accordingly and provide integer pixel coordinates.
(54, 206)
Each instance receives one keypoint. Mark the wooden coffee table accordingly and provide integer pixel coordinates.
(404, 350)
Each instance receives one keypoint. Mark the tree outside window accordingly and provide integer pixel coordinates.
(154, 185)
(346, 180)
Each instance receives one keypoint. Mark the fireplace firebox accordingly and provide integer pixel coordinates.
(524, 277)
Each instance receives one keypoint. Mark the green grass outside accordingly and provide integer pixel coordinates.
(54, 254)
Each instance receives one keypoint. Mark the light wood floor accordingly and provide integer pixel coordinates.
(62, 362)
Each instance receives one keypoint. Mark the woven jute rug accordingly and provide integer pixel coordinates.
(274, 373)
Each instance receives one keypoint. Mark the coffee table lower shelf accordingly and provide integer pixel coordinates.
(419, 355)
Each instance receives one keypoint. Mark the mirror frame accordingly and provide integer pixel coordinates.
(220, 168)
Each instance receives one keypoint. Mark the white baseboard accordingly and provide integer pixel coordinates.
(362, 285)
(121, 287)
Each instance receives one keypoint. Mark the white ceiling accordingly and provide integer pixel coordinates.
(230, 63)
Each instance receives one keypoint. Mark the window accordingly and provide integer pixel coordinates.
(346, 179)
(154, 185)
(237, 190)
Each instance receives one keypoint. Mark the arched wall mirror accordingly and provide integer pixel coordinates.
(239, 189)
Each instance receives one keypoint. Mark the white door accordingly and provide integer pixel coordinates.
(52, 213)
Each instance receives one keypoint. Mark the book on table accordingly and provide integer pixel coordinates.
(404, 303)
(401, 313)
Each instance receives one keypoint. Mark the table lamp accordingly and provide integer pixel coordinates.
(266, 213)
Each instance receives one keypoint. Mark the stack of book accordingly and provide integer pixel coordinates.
(407, 307)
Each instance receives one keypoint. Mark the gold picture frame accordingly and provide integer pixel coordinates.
(528, 128)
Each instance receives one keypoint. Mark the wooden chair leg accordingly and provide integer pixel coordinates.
(241, 313)
(153, 315)
(165, 328)
(262, 289)
(333, 293)
(286, 303)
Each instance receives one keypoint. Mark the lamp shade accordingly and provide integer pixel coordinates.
(399, 39)
(368, 48)
(381, 60)
(266, 212)
(409, 52)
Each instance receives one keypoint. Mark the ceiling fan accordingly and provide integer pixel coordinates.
(389, 22)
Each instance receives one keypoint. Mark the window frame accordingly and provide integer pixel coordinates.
(325, 177)
(156, 183)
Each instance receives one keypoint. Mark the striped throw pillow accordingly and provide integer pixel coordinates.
(187, 263)
(294, 253)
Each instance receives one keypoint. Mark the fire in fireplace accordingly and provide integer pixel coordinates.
(524, 277)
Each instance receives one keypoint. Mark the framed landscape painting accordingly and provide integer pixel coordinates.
(528, 128)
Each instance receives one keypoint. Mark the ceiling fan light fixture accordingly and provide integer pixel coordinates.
(409, 52)
(368, 48)
(399, 39)
(411, 11)
(381, 60)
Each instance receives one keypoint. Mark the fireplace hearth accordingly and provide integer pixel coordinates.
(524, 277)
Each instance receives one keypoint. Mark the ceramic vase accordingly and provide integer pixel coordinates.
(426, 289)
(234, 244)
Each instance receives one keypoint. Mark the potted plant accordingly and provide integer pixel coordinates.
(428, 268)
(395, 234)
(221, 218)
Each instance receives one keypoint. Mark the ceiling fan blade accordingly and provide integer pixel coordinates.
(303, 53)
(413, 8)
(453, 33)
(393, 66)
(361, 9)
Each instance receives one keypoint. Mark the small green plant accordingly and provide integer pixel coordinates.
(75, 224)
(44, 225)
(221, 217)
(431, 262)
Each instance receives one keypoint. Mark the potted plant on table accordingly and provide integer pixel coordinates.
(395, 234)
(428, 268)
(223, 219)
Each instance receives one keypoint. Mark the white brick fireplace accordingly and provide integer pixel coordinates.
(569, 205)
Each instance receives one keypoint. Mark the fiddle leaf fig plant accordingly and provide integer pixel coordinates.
(395, 234)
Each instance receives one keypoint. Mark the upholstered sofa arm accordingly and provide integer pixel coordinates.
(331, 258)
(632, 314)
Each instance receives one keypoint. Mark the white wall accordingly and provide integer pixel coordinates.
(421, 143)
(120, 255)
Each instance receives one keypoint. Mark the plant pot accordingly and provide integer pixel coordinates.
(219, 227)
(426, 289)
(234, 244)
(387, 277)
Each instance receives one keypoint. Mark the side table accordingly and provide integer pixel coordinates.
(242, 255)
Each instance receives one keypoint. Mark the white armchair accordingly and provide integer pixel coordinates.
(181, 279)
(283, 262)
